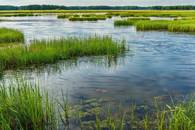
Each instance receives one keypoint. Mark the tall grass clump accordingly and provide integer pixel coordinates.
(152, 25)
(24, 107)
(50, 51)
(182, 26)
(18, 15)
(124, 22)
(63, 16)
(11, 36)
(165, 25)
(95, 18)
(130, 21)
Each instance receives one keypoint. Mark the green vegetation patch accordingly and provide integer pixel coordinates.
(87, 18)
(152, 25)
(49, 51)
(23, 106)
(167, 25)
(11, 36)
(130, 21)
(18, 14)
(83, 17)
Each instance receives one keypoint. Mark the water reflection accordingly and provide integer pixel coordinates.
(64, 70)
(162, 63)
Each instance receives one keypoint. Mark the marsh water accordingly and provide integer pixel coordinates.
(158, 63)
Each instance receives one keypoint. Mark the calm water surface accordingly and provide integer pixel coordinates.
(159, 63)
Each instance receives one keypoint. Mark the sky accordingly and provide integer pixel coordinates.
(99, 2)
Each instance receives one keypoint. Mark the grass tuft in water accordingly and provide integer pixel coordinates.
(23, 106)
(10, 36)
(130, 21)
(50, 51)
(165, 25)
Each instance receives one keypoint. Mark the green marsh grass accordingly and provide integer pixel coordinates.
(161, 25)
(152, 25)
(50, 51)
(124, 22)
(23, 106)
(129, 21)
(83, 17)
(91, 18)
(18, 15)
(63, 16)
(11, 36)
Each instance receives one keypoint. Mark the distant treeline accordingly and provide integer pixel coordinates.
(56, 7)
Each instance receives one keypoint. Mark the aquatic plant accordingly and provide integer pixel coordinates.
(11, 36)
(129, 21)
(94, 18)
(50, 51)
(152, 25)
(18, 14)
(124, 22)
(166, 25)
(182, 26)
(23, 106)
(63, 16)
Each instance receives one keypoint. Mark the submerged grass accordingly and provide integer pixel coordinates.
(10, 36)
(50, 51)
(24, 106)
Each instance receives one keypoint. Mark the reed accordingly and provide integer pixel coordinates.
(94, 18)
(124, 22)
(11, 36)
(182, 26)
(18, 15)
(162, 25)
(63, 16)
(23, 106)
(50, 51)
(130, 21)
(152, 25)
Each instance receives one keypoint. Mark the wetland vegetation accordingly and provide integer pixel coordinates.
(83, 17)
(166, 25)
(26, 106)
(49, 51)
(8, 36)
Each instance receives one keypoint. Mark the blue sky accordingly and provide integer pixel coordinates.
(99, 2)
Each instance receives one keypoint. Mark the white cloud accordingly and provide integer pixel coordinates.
(99, 2)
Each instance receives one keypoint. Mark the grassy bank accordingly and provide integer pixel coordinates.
(10, 36)
(50, 51)
(24, 106)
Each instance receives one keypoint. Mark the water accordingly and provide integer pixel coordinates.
(158, 63)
